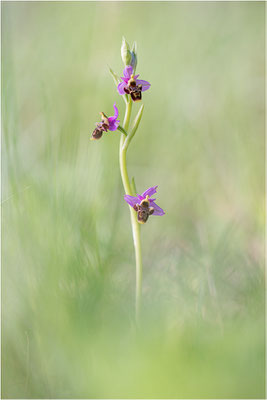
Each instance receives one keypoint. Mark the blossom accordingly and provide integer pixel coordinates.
(131, 85)
(107, 124)
(144, 205)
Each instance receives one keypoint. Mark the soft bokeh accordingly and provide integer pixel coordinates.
(68, 275)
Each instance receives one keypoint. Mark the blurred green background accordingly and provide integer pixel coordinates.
(68, 274)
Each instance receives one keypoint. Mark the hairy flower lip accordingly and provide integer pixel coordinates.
(127, 75)
(134, 200)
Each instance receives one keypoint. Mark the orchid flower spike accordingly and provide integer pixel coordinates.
(106, 124)
(144, 205)
(131, 85)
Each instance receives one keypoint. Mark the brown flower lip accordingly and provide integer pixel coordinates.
(143, 211)
(134, 90)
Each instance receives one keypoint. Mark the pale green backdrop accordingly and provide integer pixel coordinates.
(68, 273)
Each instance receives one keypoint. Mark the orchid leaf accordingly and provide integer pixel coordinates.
(133, 186)
(114, 76)
(134, 127)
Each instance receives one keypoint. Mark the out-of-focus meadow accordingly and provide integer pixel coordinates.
(68, 275)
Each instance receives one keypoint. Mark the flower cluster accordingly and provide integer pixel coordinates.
(131, 87)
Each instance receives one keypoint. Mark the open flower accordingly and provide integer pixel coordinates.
(107, 124)
(144, 205)
(131, 85)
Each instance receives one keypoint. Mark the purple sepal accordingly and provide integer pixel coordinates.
(127, 72)
(131, 200)
(121, 87)
(145, 85)
(149, 192)
(113, 121)
(157, 209)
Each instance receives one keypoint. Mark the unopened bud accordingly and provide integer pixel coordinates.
(125, 53)
(134, 56)
(133, 61)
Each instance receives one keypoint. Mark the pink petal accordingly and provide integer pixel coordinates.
(150, 191)
(127, 72)
(157, 209)
(113, 123)
(116, 111)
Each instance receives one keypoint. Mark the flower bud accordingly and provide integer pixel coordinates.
(133, 61)
(134, 56)
(126, 53)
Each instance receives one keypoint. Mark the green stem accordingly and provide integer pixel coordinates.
(127, 115)
(134, 222)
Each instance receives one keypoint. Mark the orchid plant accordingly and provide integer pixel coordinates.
(142, 206)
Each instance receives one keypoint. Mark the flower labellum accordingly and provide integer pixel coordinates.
(144, 205)
(106, 124)
(131, 85)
